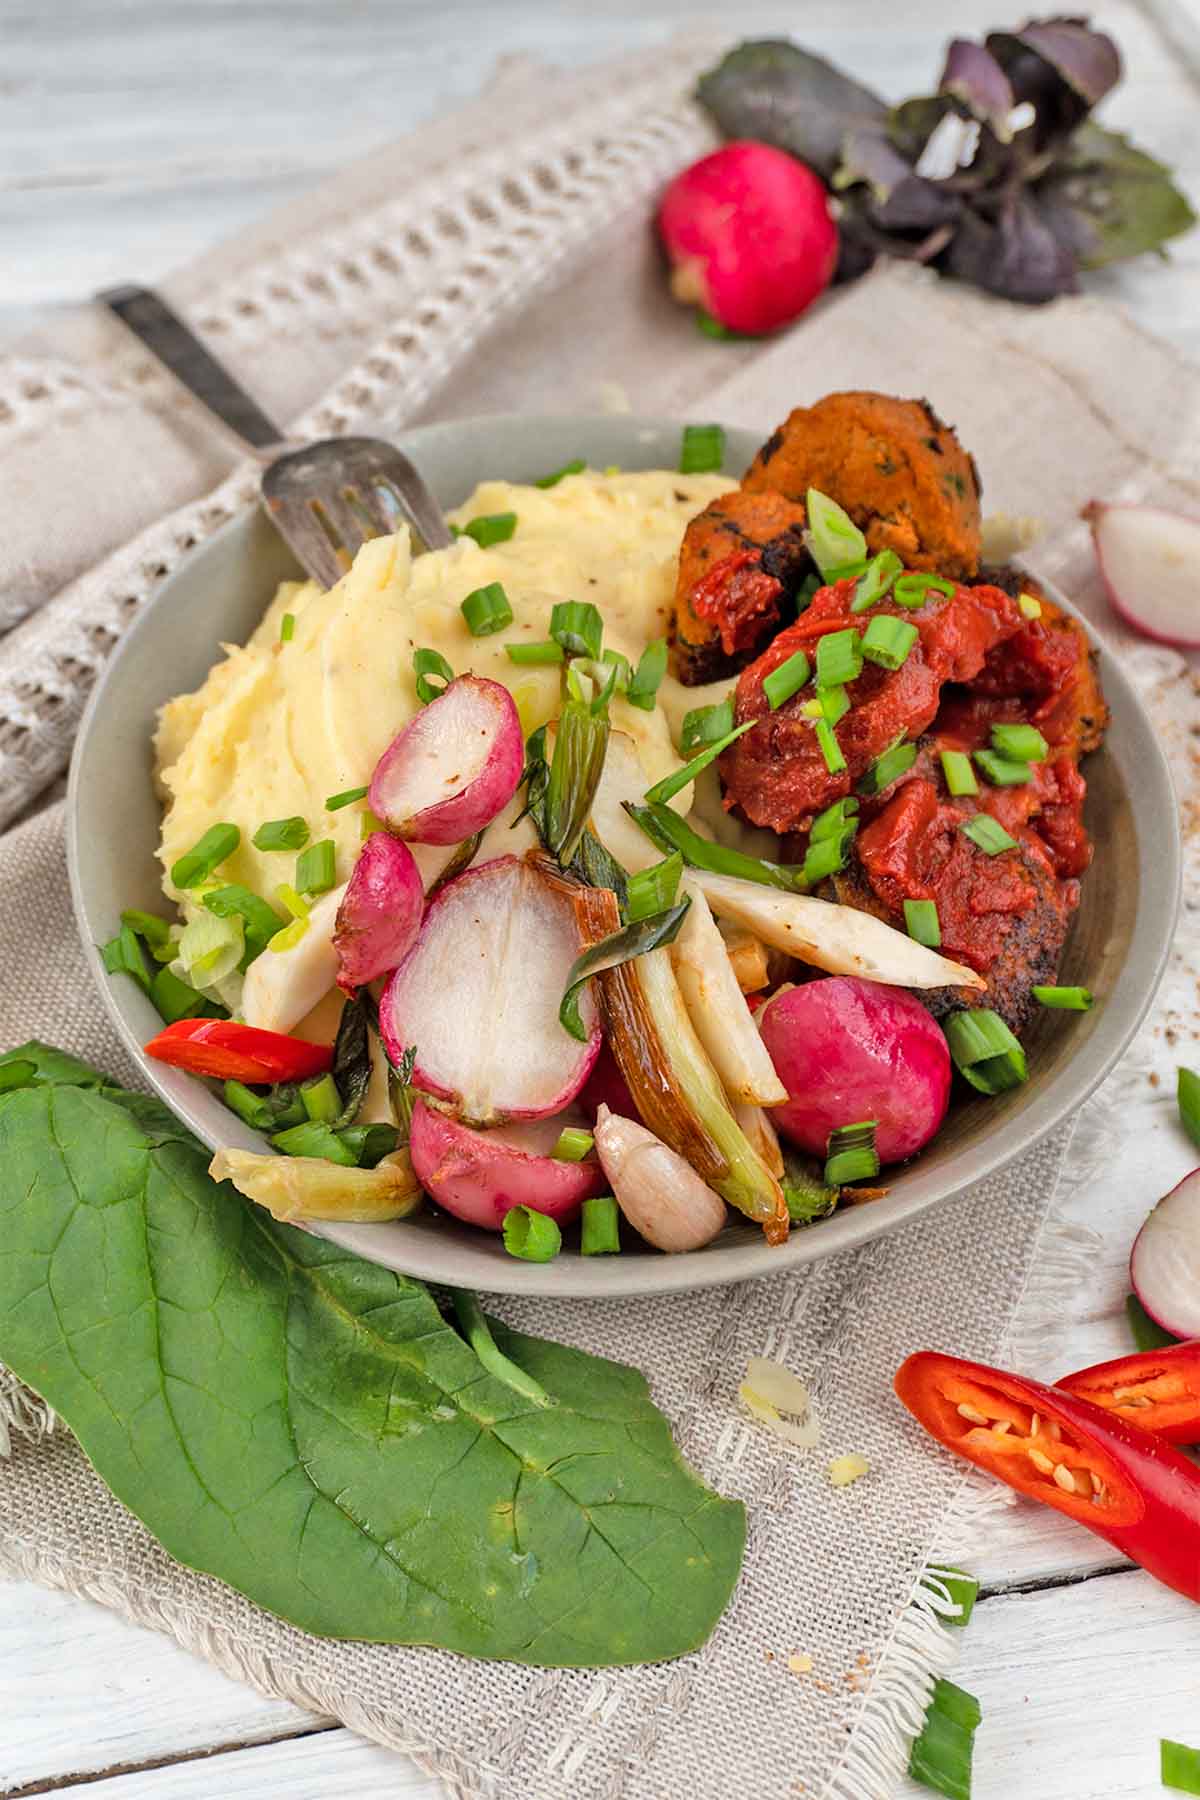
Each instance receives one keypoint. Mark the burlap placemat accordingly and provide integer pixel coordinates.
(565, 309)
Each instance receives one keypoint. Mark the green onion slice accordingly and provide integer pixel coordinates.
(829, 703)
(705, 724)
(1067, 999)
(874, 583)
(486, 610)
(1146, 1332)
(178, 999)
(811, 585)
(578, 627)
(573, 1145)
(370, 1143)
(804, 1188)
(315, 868)
(1179, 1767)
(600, 1233)
(835, 820)
(633, 940)
(850, 1154)
(831, 750)
(985, 1050)
(155, 932)
(654, 889)
(281, 834)
(940, 1757)
(624, 672)
(287, 628)
(786, 680)
(532, 655)
(825, 858)
(896, 760)
(336, 802)
(839, 657)
(1020, 743)
(580, 746)
(914, 590)
(963, 1590)
(478, 1332)
(218, 842)
(315, 1138)
(960, 776)
(321, 1098)
(259, 920)
(887, 641)
(644, 683)
(572, 468)
(427, 664)
(701, 450)
(122, 955)
(671, 784)
(922, 923)
(988, 834)
(1187, 1094)
(491, 528)
(531, 1235)
(1001, 772)
(663, 826)
(832, 537)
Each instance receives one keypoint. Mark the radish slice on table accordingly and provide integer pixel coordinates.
(478, 995)
(658, 1191)
(1150, 561)
(480, 1175)
(1165, 1265)
(380, 913)
(283, 986)
(453, 767)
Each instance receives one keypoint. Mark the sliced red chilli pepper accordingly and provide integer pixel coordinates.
(233, 1052)
(1134, 1490)
(1157, 1390)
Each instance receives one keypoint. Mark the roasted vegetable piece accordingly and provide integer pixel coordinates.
(1048, 668)
(1157, 1390)
(1134, 1490)
(900, 473)
(740, 564)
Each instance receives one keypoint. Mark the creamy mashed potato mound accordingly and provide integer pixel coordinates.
(279, 727)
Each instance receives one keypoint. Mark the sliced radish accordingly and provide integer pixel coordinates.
(453, 767)
(480, 1175)
(657, 1190)
(380, 914)
(478, 995)
(1165, 1264)
(1150, 562)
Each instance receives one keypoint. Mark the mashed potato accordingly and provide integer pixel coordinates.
(279, 727)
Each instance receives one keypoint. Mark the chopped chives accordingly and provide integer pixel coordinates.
(287, 628)
(826, 857)
(259, 920)
(321, 1099)
(1187, 1095)
(960, 776)
(315, 1138)
(988, 834)
(486, 610)
(833, 539)
(1001, 772)
(533, 655)
(940, 1758)
(896, 760)
(835, 820)
(428, 663)
(914, 590)
(831, 750)
(850, 1154)
(578, 627)
(316, 868)
(653, 890)
(644, 683)
(600, 1227)
(701, 450)
(922, 923)
(281, 834)
(1020, 743)
(1030, 605)
(705, 724)
(670, 785)
(887, 641)
(532, 1236)
(831, 703)
(1179, 1766)
(218, 842)
(491, 528)
(985, 1050)
(1067, 999)
(839, 657)
(336, 802)
(621, 665)
(573, 1145)
(572, 468)
(786, 680)
(875, 581)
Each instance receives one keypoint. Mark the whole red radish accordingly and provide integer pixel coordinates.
(749, 232)
(847, 1050)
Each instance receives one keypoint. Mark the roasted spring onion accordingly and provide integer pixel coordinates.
(666, 829)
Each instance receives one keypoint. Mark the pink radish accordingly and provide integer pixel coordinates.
(606, 1086)
(480, 1175)
(1165, 1264)
(848, 1050)
(453, 767)
(380, 914)
(749, 232)
(657, 1190)
(1150, 562)
(479, 992)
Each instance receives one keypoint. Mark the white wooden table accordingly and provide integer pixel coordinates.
(132, 134)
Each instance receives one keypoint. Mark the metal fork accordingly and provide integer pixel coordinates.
(325, 499)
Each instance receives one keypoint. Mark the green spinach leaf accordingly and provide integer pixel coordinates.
(307, 1427)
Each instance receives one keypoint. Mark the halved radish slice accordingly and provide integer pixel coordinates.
(478, 995)
(453, 767)
(380, 914)
(1165, 1264)
(1150, 562)
(480, 1175)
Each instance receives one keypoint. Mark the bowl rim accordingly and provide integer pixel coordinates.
(619, 1277)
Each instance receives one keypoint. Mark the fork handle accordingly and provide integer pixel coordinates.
(166, 336)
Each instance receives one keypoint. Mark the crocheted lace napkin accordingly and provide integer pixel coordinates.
(514, 269)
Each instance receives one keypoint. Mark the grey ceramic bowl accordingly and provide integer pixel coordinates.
(1118, 944)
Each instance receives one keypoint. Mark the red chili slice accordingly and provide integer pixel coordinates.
(233, 1052)
(1156, 1390)
(1132, 1489)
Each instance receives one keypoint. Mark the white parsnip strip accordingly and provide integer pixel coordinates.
(717, 1007)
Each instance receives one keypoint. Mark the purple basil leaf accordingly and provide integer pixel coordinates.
(1087, 60)
(1109, 200)
(1016, 254)
(1061, 68)
(973, 76)
(774, 91)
